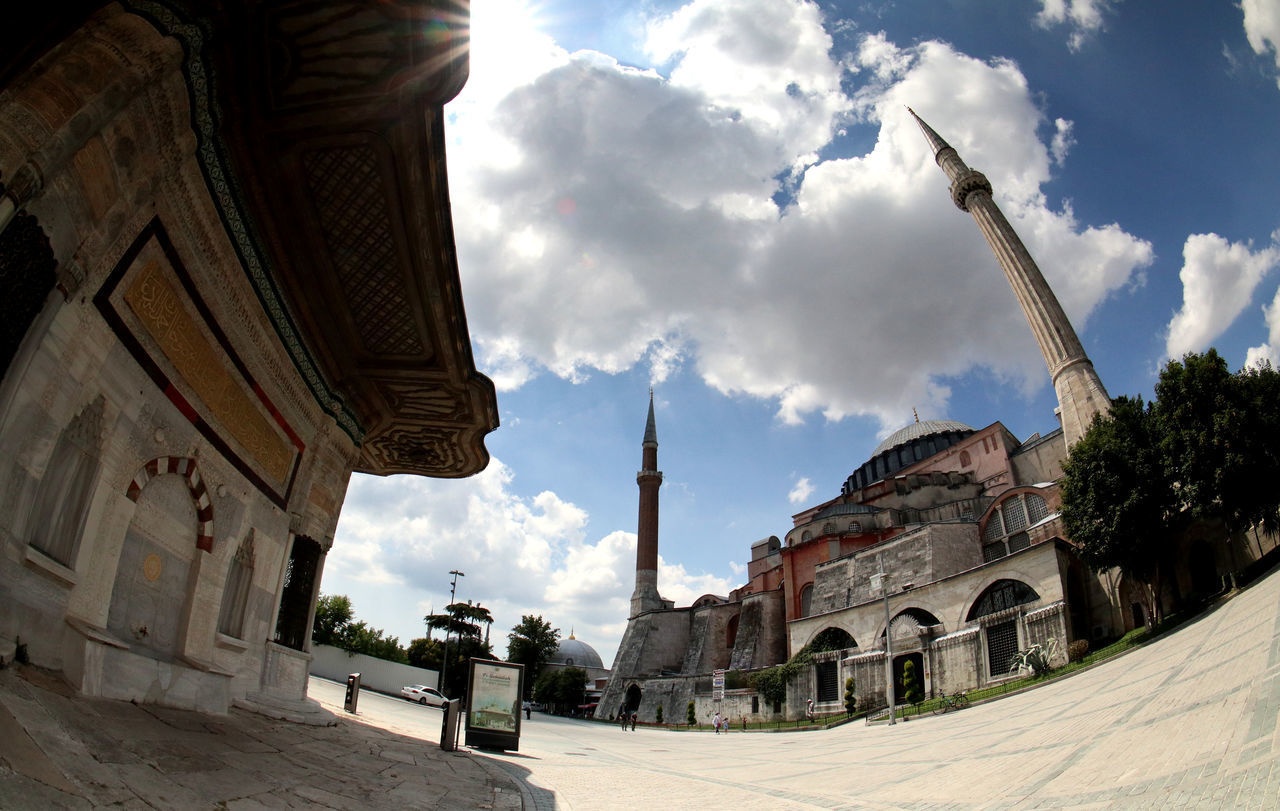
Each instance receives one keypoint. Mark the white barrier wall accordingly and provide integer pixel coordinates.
(376, 674)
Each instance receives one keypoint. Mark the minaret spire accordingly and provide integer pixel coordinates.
(648, 479)
(1081, 394)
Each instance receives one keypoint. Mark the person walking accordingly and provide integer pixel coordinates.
(715, 722)
(633, 721)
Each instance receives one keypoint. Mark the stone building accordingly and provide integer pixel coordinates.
(229, 263)
(944, 549)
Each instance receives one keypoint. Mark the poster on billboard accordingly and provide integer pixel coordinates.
(493, 704)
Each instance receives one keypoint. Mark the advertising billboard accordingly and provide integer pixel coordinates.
(493, 711)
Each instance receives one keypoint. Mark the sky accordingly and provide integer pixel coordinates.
(727, 201)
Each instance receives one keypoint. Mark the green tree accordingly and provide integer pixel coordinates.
(333, 614)
(911, 692)
(561, 688)
(1118, 503)
(690, 714)
(461, 622)
(1221, 438)
(850, 697)
(532, 643)
(426, 653)
(658, 714)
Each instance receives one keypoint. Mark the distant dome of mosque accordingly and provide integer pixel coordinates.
(576, 653)
(916, 430)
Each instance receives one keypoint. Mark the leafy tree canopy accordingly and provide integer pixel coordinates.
(532, 643)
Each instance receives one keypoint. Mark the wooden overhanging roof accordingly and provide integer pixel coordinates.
(321, 134)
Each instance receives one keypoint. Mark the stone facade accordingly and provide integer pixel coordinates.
(175, 454)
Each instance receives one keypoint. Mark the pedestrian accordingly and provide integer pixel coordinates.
(622, 717)
(633, 721)
(715, 722)
(808, 710)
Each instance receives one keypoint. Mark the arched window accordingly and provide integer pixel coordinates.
(806, 600)
(806, 536)
(965, 459)
(832, 639)
(1005, 532)
(235, 597)
(731, 632)
(855, 526)
(1001, 595)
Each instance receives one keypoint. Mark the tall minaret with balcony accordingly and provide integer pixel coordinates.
(649, 479)
(1080, 391)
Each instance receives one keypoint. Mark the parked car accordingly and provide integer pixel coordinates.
(423, 694)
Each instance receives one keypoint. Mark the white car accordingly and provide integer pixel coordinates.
(423, 694)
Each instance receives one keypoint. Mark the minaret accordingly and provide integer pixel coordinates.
(649, 479)
(1081, 395)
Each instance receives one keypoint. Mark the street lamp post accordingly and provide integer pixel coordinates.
(882, 579)
(444, 668)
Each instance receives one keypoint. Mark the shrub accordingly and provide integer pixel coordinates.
(850, 697)
(690, 714)
(658, 714)
(1076, 651)
(1038, 658)
(911, 691)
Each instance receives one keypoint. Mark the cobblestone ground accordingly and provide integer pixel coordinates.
(1188, 721)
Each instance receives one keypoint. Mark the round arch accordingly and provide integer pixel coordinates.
(999, 596)
(910, 621)
(186, 468)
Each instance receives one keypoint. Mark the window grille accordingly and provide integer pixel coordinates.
(1037, 509)
(1018, 542)
(854, 526)
(993, 551)
(828, 681)
(1002, 644)
(994, 530)
(1015, 515)
(298, 594)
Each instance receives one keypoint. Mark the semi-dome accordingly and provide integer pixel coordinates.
(576, 653)
(905, 447)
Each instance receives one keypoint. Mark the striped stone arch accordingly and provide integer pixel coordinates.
(186, 468)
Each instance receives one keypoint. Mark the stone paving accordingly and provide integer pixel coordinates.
(1188, 721)
(63, 751)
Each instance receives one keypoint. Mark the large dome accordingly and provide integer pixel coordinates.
(576, 653)
(905, 447)
(917, 430)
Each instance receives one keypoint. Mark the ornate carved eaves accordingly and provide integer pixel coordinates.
(333, 121)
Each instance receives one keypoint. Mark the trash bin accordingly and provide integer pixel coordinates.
(353, 692)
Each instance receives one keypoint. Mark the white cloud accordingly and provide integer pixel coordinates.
(801, 491)
(1063, 140)
(1218, 281)
(650, 202)
(1262, 27)
(1270, 351)
(1082, 18)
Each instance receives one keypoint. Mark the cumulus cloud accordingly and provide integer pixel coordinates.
(1218, 281)
(1269, 351)
(608, 216)
(399, 537)
(1262, 27)
(801, 491)
(1081, 17)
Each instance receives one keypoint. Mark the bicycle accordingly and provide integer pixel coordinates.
(946, 703)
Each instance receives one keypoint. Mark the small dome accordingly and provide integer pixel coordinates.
(917, 430)
(576, 653)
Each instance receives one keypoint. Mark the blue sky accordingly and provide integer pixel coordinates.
(726, 200)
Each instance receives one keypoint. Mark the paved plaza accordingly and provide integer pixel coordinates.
(1188, 721)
